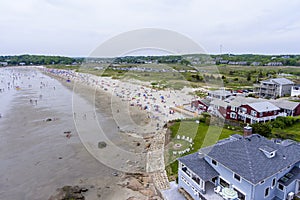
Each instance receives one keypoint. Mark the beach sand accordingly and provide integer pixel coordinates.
(37, 157)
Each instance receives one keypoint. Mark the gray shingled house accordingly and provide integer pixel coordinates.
(249, 168)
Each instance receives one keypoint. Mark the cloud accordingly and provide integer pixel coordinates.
(76, 27)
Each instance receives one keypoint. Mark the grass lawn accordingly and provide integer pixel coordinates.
(203, 135)
(292, 132)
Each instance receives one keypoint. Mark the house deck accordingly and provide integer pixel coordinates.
(210, 194)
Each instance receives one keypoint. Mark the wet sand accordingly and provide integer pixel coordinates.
(37, 157)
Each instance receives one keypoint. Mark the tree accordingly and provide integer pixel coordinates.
(263, 129)
(249, 76)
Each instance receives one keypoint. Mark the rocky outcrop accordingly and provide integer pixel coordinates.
(142, 183)
(69, 192)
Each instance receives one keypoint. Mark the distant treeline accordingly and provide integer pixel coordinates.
(226, 59)
(230, 59)
(252, 59)
(38, 60)
(144, 59)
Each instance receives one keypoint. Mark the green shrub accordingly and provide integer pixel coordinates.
(263, 129)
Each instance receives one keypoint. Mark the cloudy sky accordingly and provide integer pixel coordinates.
(77, 27)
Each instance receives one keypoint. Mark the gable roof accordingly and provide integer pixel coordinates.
(263, 106)
(284, 104)
(220, 92)
(239, 100)
(219, 102)
(244, 157)
(205, 101)
(199, 166)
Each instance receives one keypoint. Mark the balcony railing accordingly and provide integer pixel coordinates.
(267, 118)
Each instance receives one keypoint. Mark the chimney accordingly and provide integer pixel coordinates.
(247, 130)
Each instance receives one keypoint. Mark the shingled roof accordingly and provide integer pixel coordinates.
(244, 157)
(263, 106)
(199, 166)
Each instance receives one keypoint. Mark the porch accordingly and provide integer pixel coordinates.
(210, 193)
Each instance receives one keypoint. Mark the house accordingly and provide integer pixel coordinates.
(229, 107)
(219, 94)
(274, 64)
(259, 112)
(3, 64)
(218, 108)
(237, 63)
(273, 88)
(233, 106)
(201, 104)
(247, 109)
(250, 167)
(255, 63)
(289, 107)
(252, 110)
(295, 91)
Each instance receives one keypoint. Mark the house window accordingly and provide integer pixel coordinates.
(267, 191)
(280, 186)
(214, 162)
(196, 179)
(224, 183)
(273, 182)
(244, 110)
(253, 113)
(233, 115)
(237, 177)
(186, 171)
(241, 196)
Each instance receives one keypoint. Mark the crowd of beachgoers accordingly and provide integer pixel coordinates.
(159, 104)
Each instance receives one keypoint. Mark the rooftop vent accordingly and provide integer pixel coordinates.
(268, 151)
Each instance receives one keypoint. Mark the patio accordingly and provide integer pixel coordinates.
(210, 194)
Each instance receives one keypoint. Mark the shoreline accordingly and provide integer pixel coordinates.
(36, 151)
(107, 105)
(155, 160)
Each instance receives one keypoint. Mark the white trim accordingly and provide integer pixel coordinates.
(242, 192)
(297, 189)
(221, 177)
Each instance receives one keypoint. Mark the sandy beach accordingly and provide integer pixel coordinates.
(38, 156)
